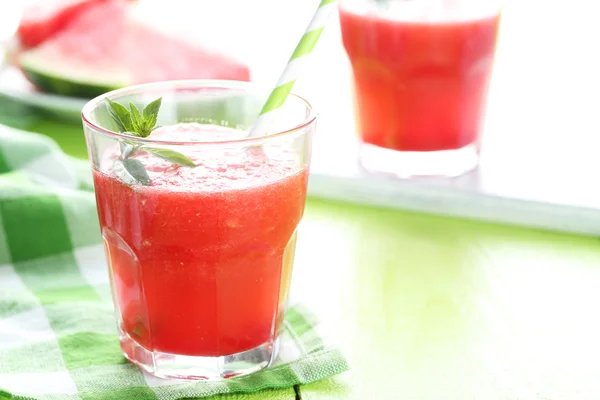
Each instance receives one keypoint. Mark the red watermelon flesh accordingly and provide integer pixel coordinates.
(95, 40)
(42, 19)
(157, 57)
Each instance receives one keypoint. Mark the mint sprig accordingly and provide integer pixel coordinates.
(170, 155)
(133, 123)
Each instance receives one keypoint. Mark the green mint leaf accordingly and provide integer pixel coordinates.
(150, 116)
(151, 113)
(131, 121)
(120, 115)
(131, 171)
(170, 155)
(120, 125)
(136, 119)
(146, 128)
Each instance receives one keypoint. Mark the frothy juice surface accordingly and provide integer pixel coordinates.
(201, 259)
(419, 85)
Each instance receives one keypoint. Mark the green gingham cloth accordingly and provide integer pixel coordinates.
(57, 330)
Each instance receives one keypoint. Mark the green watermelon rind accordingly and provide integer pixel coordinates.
(59, 77)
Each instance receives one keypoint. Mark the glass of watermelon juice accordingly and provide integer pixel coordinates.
(421, 73)
(200, 257)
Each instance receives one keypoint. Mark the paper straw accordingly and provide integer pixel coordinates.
(294, 67)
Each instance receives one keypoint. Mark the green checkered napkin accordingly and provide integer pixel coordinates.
(57, 331)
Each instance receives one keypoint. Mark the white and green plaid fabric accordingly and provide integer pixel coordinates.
(57, 330)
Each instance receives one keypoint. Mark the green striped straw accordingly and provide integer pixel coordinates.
(293, 68)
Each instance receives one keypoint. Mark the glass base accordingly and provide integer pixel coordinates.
(406, 164)
(176, 366)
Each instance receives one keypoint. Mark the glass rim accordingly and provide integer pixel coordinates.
(495, 9)
(192, 83)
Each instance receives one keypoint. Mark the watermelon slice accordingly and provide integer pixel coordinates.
(83, 59)
(90, 56)
(43, 19)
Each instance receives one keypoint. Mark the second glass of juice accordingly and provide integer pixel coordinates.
(421, 74)
(200, 257)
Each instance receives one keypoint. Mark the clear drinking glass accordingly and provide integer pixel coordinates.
(421, 74)
(200, 258)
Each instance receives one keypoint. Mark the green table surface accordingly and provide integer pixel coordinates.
(434, 308)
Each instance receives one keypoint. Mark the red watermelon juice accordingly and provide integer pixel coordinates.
(200, 260)
(420, 86)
